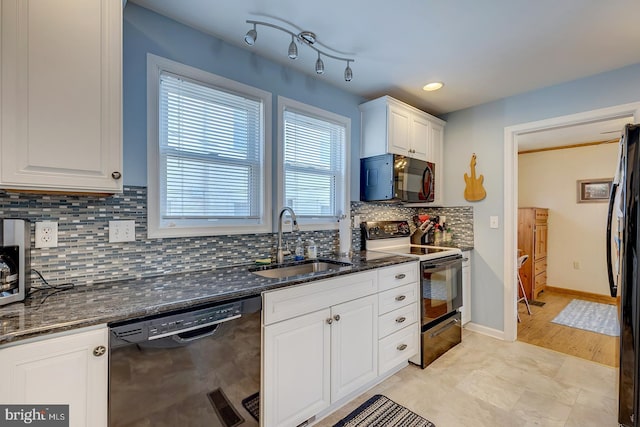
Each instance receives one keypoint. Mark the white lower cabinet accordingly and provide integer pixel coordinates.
(313, 360)
(329, 340)
(70, 369)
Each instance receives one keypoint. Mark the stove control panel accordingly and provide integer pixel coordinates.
(374, 230)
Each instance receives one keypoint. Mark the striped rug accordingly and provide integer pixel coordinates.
(381, 411)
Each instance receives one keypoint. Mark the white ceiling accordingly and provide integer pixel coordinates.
(600, 131)
(482, 50)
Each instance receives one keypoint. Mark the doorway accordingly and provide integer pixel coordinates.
(512, 136)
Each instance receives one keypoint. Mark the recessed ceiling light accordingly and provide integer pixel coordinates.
(432, 86)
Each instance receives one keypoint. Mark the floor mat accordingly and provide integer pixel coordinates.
(536, 303)
(382, 411)
(590, 316)
(252, 405)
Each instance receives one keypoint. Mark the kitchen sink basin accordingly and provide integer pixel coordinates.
(283, 271)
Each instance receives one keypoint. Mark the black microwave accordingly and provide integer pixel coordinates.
(393, 177)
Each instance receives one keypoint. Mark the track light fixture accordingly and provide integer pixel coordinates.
(306, 38)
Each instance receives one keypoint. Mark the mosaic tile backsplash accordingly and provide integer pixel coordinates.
(85, 256)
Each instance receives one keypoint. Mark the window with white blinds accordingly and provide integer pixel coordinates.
(210, 155)
(314, 160)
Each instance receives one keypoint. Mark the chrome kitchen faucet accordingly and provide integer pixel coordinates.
(280, 251)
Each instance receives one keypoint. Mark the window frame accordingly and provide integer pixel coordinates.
(155, 227)
(342, 201)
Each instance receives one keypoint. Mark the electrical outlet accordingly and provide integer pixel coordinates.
(122, 231)
(356, 222)
(493, 222)
(576, 265)
(46, 234)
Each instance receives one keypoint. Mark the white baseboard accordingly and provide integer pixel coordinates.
(485, 330)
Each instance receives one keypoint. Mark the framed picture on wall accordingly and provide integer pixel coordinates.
(594, 190)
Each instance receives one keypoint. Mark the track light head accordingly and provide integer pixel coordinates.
(319, 65)
(293, 49)
(251, 36)
(348, 73)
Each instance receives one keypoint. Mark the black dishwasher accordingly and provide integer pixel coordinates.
(195, 367)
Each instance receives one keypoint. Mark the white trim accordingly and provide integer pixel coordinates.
(345, 191)
(484, 330)
(511, 134)
(155, 65)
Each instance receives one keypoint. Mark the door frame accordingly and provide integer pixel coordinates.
(511, 134)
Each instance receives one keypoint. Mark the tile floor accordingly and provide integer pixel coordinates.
(488, 382)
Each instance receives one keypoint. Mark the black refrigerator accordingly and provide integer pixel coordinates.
(623, 247)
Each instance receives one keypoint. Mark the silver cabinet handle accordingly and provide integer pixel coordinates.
(400, 298)
(99, 350)
(116, 175)
(401, 319)
(329, 320)
(400, 276)
(336, 317)
(401, 347)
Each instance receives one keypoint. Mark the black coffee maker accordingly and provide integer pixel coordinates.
(15, 266)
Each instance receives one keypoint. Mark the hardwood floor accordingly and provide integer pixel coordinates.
(537, 329)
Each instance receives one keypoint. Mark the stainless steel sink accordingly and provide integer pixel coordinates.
(283, 271)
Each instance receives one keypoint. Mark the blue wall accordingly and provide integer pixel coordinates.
(480, 130)
(145, 31)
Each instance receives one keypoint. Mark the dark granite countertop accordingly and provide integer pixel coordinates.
(129, 299)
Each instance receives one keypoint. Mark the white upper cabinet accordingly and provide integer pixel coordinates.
(60, 110)
(391, 126)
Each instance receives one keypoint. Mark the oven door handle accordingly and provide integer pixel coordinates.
(432, 265)
(444, 328)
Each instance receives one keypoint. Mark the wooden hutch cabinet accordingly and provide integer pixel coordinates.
(532, 241)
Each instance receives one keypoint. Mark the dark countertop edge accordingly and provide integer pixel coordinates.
(13, 337)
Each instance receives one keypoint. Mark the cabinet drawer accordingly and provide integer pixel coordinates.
(397, 348)
(540, 266)
(392, 277)
(398, 297)
(540, 280)
(397, 319)
(290, 302)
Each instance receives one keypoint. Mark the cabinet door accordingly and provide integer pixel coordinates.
(540, 241)
(398, 131)
(295, 369)
(354, 337)
(61, 370)
(61, 95)
(420, 145)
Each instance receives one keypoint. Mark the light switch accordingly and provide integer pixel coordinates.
(493, 222)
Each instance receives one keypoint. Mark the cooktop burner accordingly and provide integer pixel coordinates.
(422, 250)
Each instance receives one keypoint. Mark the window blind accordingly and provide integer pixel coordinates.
(314, 156)
(211, 152)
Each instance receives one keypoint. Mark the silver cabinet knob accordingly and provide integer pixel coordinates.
(116, 175)
(400, 298)
(401, 347)
(329, 320)
(400, 276)
(337, 317)
(99, 350)
(401, 319)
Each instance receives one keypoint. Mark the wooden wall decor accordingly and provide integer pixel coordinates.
(474, 191)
